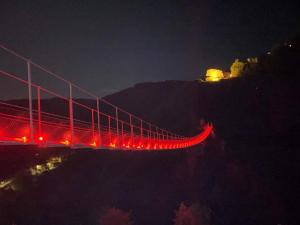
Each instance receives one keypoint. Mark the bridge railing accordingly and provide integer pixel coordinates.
(41, 107)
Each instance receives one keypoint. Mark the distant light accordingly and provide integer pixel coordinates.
(269, 53)
(41, 138)
(214, 75)
(290, 45)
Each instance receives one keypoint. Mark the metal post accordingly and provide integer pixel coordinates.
(150, 130)
(149, 133)
(157, 135)
(122, 132)
(161, 135)
(98, 121)
(39, 110)
(30, 101)
(109, 132)
(93, 125)
(117, 121)
(131, 129)
(71, 115)
(141, 130)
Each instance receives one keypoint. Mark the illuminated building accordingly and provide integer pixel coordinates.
(214, 75)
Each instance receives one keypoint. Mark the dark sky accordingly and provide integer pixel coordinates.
(108, 45)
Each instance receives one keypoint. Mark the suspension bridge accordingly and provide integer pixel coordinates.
(40, 107)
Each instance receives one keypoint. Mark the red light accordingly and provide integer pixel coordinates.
(66, 142)
(94, 144)
(112, 145)
(41, 138)
(24, 139)
(21, 139)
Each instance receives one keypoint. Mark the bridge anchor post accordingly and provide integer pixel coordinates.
(71, 116)
(30, 102)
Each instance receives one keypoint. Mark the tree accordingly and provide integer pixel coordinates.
(115, 216)
(192, 215)
(237, 68)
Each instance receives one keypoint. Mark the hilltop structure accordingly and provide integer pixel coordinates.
(214, 75)
(236, 70)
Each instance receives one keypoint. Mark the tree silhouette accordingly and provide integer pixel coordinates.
(237, 68)
(115, 216)
(192, 215)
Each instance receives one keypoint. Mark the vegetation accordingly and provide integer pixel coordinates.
(115, 216)
(192, 215)
(236, 68)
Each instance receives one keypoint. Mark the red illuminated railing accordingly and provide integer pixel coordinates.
(47, 117)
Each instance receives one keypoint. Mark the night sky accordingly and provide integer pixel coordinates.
(107, 45)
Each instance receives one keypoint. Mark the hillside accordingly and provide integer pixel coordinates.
(257, 118)
(263, 102)
(246, 106)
